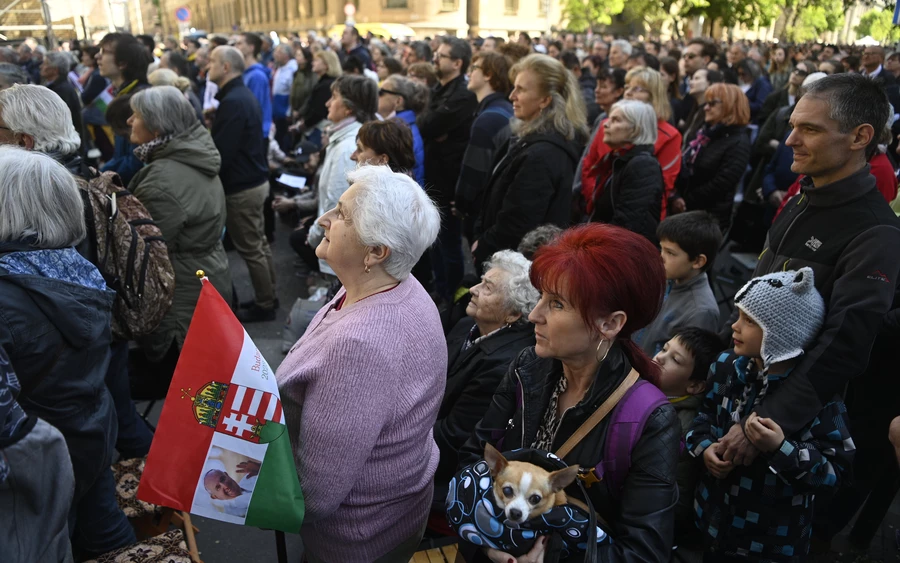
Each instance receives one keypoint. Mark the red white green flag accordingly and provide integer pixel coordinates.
(221, 449)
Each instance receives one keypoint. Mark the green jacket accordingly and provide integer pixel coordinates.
(180, 188)
(301, 89)
(689, 468)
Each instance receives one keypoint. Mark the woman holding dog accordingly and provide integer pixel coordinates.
(362, 387)
(599, 284)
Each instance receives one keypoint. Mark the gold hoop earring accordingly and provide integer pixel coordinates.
(600, 360)
(368, 271)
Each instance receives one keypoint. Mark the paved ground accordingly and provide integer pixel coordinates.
(220, 542)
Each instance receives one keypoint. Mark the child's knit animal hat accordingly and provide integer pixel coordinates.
(788, 308)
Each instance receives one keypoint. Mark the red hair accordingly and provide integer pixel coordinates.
(600, 269)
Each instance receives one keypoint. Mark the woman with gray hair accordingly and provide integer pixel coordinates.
(361, 388)
(179, 185)
(479, 350)
(632, 190)
(55, 328)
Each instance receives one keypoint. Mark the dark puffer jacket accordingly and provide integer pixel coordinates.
(55, 315)
(710, 183)
(472, 377)
(531, 185)
(641, 519)
(633, 195)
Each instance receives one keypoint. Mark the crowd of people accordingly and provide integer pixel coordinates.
(589, 182)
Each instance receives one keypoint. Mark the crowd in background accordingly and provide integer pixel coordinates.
(505, 231)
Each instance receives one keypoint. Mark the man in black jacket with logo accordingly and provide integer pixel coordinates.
(237, 132)
(445, 129)
(841, 227)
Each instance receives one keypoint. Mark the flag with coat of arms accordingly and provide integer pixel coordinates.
(220, 448)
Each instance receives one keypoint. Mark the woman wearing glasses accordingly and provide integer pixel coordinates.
(404, 99)
(715, 160)
(644, 85)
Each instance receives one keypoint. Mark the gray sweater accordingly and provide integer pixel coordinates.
(688, 304)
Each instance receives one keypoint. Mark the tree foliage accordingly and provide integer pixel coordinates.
(878, 24)
(815, 18)
(582, 14)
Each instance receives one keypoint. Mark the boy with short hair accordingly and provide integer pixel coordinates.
(684, 364)
(689, 242)
(762, 512)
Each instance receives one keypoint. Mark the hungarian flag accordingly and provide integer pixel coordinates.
(220, 449)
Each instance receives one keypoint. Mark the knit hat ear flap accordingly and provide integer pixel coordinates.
(803, 281)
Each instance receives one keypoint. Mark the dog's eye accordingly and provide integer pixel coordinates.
(507, 491)
(534, 499)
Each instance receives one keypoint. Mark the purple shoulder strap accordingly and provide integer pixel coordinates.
(626, 425)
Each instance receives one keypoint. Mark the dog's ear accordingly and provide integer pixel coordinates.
(561, 479)
(494, 459)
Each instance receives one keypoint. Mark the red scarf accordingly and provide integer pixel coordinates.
(604, 170)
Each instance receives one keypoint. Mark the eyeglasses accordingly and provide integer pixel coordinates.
(442, 56)
(5, 127)
(799, 72)
(712, 103)
(383, 91)
(636, 89)
(690, 56)
(475, 67)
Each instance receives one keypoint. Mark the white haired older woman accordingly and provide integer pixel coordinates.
(632, 194)
(36, 119)
(180, 187)
(361, 388)
(55, 328)
(479, 350)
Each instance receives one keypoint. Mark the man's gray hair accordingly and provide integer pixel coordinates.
(8, 55)
(232, 57)
(642, 118)
(38, 200)
(623, 46)
(11, 74)
(289, 51)
(62, 61)
(519, 295)
(392, 210)
(39, 112)
(854, 100)
(164, 110)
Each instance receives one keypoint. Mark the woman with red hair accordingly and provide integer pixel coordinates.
(715, 160)
(599, 284)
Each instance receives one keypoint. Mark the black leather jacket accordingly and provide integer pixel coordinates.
(641, 519)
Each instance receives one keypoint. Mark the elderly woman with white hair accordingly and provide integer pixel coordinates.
(479, 350)
(179, 185)
(632, 193)
(362, 387)
(55, 328)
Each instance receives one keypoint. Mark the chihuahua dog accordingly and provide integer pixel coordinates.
(524, 490)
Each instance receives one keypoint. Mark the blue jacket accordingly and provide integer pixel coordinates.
(778, 174)
(236, 132)
(418, 146)
(257, 79)
(757, 95)
(764, 508)
(55, 312)
(123, 162)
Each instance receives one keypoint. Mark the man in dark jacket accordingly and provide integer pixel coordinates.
(245, 176)
(54, 72)
(353, 47)
(489, 80)
(841, 227)
(445, 129)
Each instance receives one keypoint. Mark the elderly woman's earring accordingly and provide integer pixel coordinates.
(368, 271)
(599, 359)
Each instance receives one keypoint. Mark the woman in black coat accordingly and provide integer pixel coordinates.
(715, 161)
(532, 177)
(327, 68)
(632, 181)
(479, 350)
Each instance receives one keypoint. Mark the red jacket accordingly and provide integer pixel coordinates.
(885, 180)
(667, 151)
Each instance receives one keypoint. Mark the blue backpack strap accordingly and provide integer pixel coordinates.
(498, 110)
(625, 428)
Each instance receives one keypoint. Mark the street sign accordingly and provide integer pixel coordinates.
(183, 14)
(897, 13)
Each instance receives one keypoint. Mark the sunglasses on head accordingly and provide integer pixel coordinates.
(383, 91)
